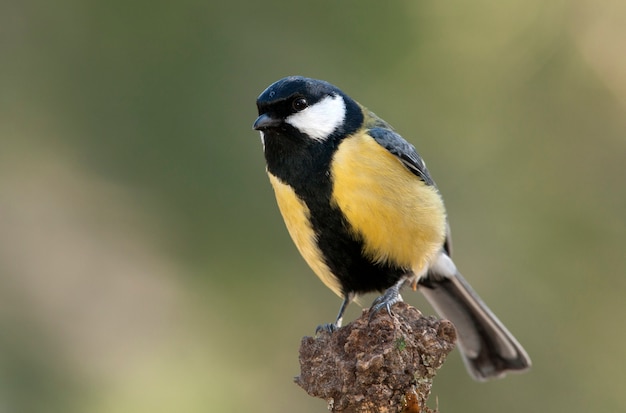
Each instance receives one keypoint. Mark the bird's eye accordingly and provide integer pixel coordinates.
(300, 104)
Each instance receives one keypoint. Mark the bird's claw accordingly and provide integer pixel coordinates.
(327, 327)
(388, 299)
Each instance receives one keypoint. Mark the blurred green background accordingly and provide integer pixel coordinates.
(144, 266)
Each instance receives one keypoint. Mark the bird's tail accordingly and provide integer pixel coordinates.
(489, 350)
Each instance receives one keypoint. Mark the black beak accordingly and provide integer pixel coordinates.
(265, 121)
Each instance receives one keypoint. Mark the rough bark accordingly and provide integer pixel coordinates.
(386, 364)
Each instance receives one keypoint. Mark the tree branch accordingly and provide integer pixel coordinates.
(381, 365)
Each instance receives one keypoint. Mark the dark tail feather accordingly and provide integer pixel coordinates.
(488, 348)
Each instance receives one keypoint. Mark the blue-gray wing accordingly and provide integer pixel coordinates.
(403, 150)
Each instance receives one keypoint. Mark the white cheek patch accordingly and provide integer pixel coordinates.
(262, 139)
(318, 121)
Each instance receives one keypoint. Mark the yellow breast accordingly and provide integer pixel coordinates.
(296, 215)
(400, 218)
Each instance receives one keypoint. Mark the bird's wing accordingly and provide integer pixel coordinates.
(403, 150)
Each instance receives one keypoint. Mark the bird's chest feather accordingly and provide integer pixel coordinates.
(400, 219)
(298, 220)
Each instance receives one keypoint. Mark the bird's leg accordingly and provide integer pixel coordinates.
(389, 298)
(337, 324)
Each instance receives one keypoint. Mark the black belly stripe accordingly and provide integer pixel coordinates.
(305, 169)
(343, 252)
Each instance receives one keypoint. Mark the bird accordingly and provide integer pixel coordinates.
(366, 216)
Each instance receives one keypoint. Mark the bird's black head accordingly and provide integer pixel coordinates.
(307, 108)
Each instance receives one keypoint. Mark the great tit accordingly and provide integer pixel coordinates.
(365, 214)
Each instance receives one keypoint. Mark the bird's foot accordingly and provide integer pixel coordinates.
(332, 327)
(327, 327)
(389, 298)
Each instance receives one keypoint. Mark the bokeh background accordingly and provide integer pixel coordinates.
(144, 266)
